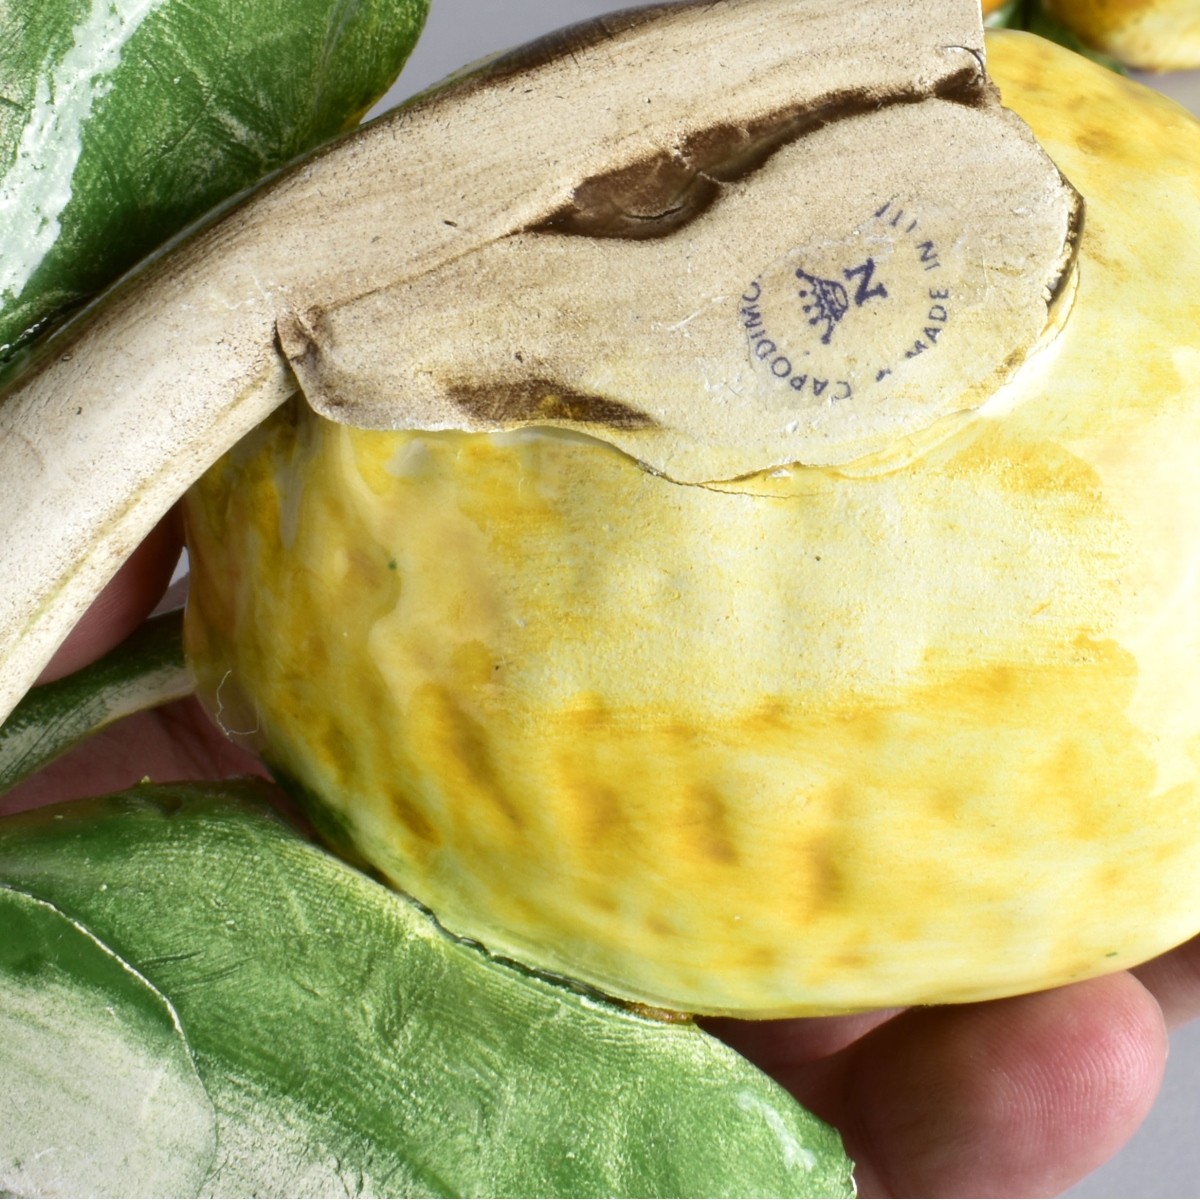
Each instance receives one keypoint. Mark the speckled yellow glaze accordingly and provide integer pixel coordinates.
(819, 740)
(1156, 35)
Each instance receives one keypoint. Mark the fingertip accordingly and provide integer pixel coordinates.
(129, 597)
(1014, 1097)
(1174, 980)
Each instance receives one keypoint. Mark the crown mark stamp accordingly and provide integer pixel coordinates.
(843, 318)
(829, 301)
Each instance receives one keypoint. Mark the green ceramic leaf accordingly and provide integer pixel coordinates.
(101, 1096)
(346, 1044)
(123, 120)
(146, 670)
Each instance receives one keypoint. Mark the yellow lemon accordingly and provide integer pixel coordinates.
(915, 728)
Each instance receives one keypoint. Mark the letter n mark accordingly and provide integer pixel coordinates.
(865, 273)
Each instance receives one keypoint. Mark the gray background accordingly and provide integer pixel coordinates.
(1163, 1159)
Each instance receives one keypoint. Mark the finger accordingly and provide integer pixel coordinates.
(1174, 979)
(174, 743)
(124, 603)
(1014, 1097)
(778, 1046)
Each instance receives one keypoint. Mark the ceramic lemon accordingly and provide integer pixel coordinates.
(744, 559)
(895, 703)
(1159, 35)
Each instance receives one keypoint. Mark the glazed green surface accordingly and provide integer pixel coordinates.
(317, 1033)
(144, 671)
(123, 120)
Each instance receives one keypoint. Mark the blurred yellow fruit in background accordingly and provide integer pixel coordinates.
(1155, 35)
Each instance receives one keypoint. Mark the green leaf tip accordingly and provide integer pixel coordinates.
(129, 1113)
(145, 670)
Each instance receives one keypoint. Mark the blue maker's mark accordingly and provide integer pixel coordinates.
(829, 301)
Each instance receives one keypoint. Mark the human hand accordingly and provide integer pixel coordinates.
(1021, 1096)
(1014, 1097)
(175, 742)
